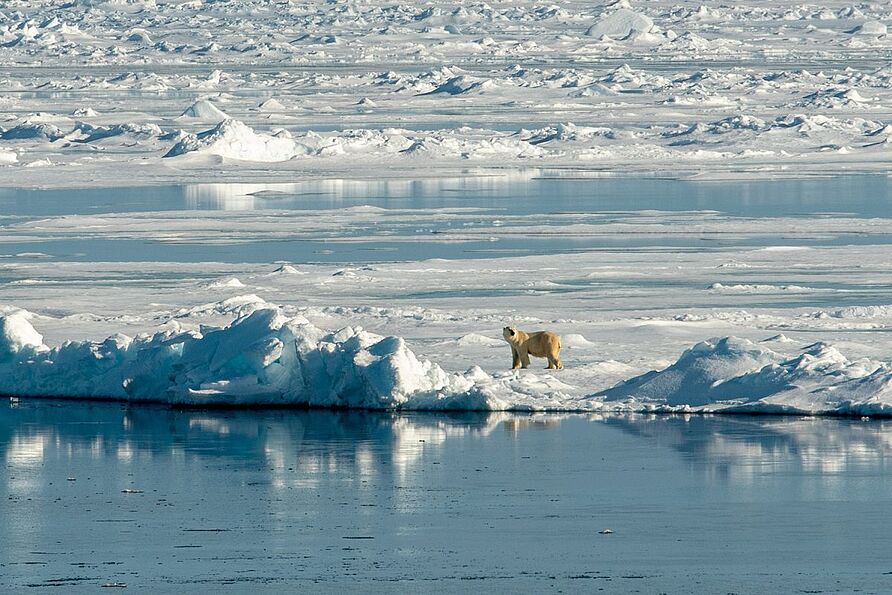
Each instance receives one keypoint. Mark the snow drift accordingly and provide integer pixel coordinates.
(236, 140)
(621, 24)
(731, 375)
(204, 110)
(266, 358)
(262, 357)
(697, 377)
(17, 335)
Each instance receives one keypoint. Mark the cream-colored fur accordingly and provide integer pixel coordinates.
(539, 344)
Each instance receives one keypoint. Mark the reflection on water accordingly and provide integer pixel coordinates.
(742, 449)
(735, 448)
(542, 191)
(527, 191)
(309, 440)
(541, 196)
(113, 493)
(732, 449)
(335, 193)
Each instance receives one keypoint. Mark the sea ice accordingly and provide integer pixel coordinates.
(265, 358)
(235, 140)
(204, 110)
(261, 358)
(621, 24)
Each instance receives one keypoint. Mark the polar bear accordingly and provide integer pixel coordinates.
(539, 344)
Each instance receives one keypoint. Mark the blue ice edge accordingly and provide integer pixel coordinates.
(265, 359)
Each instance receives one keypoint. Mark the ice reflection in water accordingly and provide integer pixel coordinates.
(545, 198)
(338, 192)
(741, 448)
(148, 496)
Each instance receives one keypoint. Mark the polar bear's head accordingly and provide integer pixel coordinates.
(509, 332)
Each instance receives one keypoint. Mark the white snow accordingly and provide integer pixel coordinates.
(459, 361)
(266, 358)
(575, 341)
(477, 339)
(272, 105)
(736, 375)
(464, 97)
(871, 28)
(648, 87)
(235, 140)
(17, 336)
(205, 111)
(260, 358)
(621, 24)
(230, 283)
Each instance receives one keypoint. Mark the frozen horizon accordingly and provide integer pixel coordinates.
(263, 91)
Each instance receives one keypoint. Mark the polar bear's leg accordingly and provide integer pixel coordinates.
(515, 358)
(554, 362)
(524, 358)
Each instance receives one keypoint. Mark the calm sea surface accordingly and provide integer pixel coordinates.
(543, 197)
(163, 500)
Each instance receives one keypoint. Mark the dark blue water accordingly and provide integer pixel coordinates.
(180, 501)
(536, 195)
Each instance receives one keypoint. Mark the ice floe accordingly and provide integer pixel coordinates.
(672, 88)
(264, 358)
(261, 358)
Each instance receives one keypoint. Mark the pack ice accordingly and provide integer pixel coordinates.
(733, 375)
(262, 357)
(266, 358)
(235, 140)
(619, 86)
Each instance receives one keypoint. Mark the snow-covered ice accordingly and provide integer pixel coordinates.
(624, 86)
(233, 139)
(261, 95)
(265, 358)
(622, 23)
(747, 327)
